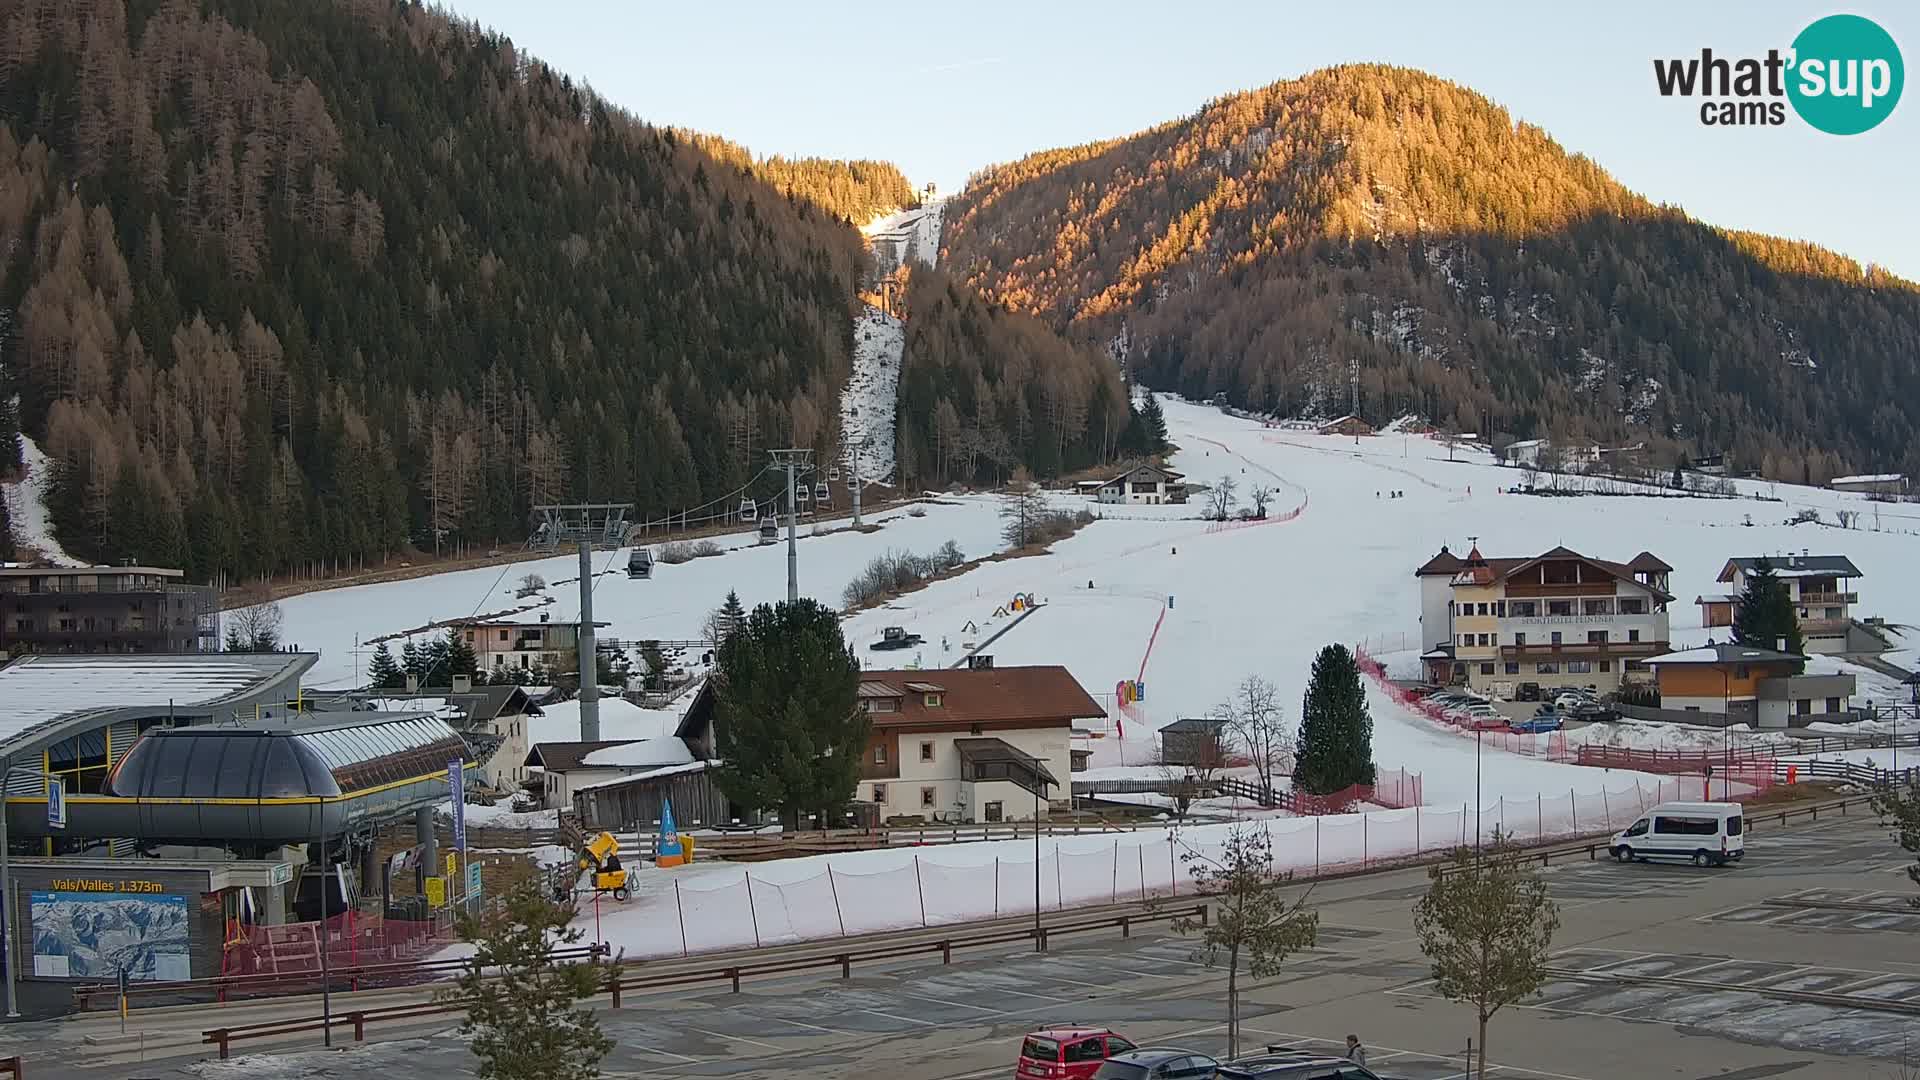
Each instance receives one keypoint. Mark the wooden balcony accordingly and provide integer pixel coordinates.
(1812, 598)
(1588, 588)
(1548, 650)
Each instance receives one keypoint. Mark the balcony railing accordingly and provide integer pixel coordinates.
(1585, 648)
(56, 587)
(1829, 598)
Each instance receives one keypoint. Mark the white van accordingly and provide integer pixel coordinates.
(1706, 833)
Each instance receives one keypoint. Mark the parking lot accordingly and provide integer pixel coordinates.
(1663, 962)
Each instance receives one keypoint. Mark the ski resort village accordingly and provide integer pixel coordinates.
(500, 580)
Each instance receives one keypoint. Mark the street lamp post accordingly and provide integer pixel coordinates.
(1039, 788)
(1478, 736)
(7, 769)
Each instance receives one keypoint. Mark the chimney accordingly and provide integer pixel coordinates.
(463, 684)
(413, 684)
(1780, 644)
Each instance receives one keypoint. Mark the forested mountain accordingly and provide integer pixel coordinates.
(1477, 272)
(854, 191)
(983, 389)
(302, 281)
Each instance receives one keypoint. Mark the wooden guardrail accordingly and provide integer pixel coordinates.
(1594, 845)
(12, 1067)
(619, 982)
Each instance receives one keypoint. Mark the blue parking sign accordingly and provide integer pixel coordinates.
(56, 803)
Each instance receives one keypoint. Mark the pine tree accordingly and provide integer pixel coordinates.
(523, 1021)
(1153, 426)
(1764, 615)
(461, 659)
(413, 663)
(383, 673)
(1336, 731)
(785, 718)
(731, 616)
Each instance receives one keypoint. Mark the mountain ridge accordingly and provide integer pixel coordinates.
(1474, 269)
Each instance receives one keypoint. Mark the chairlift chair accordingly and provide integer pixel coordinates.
(748, 511)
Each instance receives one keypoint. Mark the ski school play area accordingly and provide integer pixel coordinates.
(1159, 614)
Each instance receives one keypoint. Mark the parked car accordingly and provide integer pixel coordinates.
(1593, 712)
(1527, 691)
(1068, 1052)
(1480, 711)
(1710, 834)
(1158, 1063)
(1283, 1064)
(1543, 721)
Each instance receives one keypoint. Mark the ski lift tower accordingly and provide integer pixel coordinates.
(586, 525)
(798, 464)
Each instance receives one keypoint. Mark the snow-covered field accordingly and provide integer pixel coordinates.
(27, 506)
(906, 235)
(671, 606)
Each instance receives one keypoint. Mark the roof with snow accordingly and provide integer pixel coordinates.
(567, 756)
(1793, 566)
(1146, 472)
(1726, 653)
(534, 616)
(649, 774)
(640, 754)
(479, 703)
(45, 692)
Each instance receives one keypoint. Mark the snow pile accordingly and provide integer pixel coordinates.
(867, 406)
(27, 506)
(500, 814)
(642, 754)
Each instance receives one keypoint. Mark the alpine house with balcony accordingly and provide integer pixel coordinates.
(1557, 619)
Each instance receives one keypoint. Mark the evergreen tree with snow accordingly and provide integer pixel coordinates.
(1336, 731)
(412, 662)
(1764, 616)
(384, 673)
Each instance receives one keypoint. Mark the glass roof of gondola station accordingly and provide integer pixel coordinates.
(303, 756)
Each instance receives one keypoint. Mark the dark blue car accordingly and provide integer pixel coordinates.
(1537, 723)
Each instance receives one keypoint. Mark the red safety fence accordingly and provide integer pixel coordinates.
(1395, 790)
(1551, 745)
(350, 940)
(1674, 762)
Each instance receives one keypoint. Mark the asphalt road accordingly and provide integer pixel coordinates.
(1754, 924)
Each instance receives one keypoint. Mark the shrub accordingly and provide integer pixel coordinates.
(897, 571)
(681, 551)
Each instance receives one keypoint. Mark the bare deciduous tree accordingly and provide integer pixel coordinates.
(1220, 498)
(1261, 495)
(254, 628)
(1259, 727)
(1191, 763)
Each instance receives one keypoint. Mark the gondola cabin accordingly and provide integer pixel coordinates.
(640, 563)
(821, 493)
(748, 511)
(769, 529)
(802, 495)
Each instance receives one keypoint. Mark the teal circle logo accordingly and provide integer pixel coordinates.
(1846, 74)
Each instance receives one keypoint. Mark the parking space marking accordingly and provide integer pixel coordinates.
(802, 1024)
(740, 1039)
(1395, 1051)
(961, 1004)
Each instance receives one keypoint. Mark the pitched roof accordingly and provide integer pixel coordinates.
(1792, 565)
(1648, 561)
(1725, 653)
(564, 756)
(1042, 694)
(42, 690)
(1444, 563)
(1165, 474)
(1198, 725)
(480, 703)
(1474, 573)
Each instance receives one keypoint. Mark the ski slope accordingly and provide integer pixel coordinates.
(27, 507)
(670, 606)
(906, 236)
(868, 405)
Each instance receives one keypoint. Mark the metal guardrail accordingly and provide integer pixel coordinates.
(355, 977)
(1593, 846)
(619, 984)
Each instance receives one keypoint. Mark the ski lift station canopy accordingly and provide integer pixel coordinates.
(85, 718)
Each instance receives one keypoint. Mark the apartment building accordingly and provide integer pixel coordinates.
(1557, 619)
(525, 639)
(105, 609)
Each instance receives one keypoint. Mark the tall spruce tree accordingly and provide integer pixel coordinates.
(412, 662)
(1153, 426)
(732, 614)
(384, 673)
(461, 659)
(1336, 731)
(787, 724)
(1764, 615)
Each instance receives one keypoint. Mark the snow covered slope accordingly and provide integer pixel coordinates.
(671, 606)
(906, 235)
(27, 507)
(868, 406)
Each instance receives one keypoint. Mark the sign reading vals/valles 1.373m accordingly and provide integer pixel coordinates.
(104, 885)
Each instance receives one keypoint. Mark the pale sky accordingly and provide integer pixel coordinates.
(944, 89)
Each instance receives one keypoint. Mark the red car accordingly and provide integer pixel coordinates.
(1067, 1052)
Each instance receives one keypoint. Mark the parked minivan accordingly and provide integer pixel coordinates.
(1706, 833)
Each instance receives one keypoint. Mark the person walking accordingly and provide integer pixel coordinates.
(1355, 1052)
